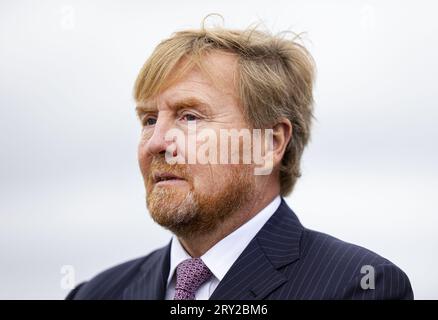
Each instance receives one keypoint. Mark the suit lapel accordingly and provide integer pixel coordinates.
(256, 274)
(151, 282)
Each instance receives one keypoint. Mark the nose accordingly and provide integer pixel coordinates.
(157, 143)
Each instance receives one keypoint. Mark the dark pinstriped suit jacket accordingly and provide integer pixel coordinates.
(283, 261)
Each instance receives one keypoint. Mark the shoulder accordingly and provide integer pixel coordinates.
(109, 284)
(315, 244)
(349, 271)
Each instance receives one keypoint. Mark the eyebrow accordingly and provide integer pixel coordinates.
(189, 102)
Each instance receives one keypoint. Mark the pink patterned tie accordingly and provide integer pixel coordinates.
(190, 275)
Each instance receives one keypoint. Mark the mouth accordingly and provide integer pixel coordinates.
(160, 178)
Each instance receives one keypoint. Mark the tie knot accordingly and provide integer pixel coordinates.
(190, 275)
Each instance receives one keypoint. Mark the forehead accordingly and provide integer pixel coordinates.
(211, 83)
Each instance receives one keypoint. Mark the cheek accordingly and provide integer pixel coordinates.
(143, 159)
(200, 176)
(209, 179)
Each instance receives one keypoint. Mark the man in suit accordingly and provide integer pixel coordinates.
(234, 235)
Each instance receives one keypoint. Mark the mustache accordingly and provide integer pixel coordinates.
(159, 164)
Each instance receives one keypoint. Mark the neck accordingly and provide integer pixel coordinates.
(198, 244)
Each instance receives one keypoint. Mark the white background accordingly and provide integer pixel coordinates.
(70, 189)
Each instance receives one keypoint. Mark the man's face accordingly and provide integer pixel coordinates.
(193, 198)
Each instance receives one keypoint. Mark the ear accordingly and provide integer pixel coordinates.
(281, 135)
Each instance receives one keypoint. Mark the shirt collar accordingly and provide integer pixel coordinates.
(223, 254)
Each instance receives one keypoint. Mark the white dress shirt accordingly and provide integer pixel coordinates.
(222, 255)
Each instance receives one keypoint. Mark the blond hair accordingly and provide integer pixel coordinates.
(275, 80)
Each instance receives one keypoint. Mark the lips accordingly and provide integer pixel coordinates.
(164, 176)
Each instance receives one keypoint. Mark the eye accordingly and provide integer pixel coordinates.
(189, 117)
(149, 121)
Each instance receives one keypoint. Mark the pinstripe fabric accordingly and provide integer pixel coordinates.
(283, 261)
